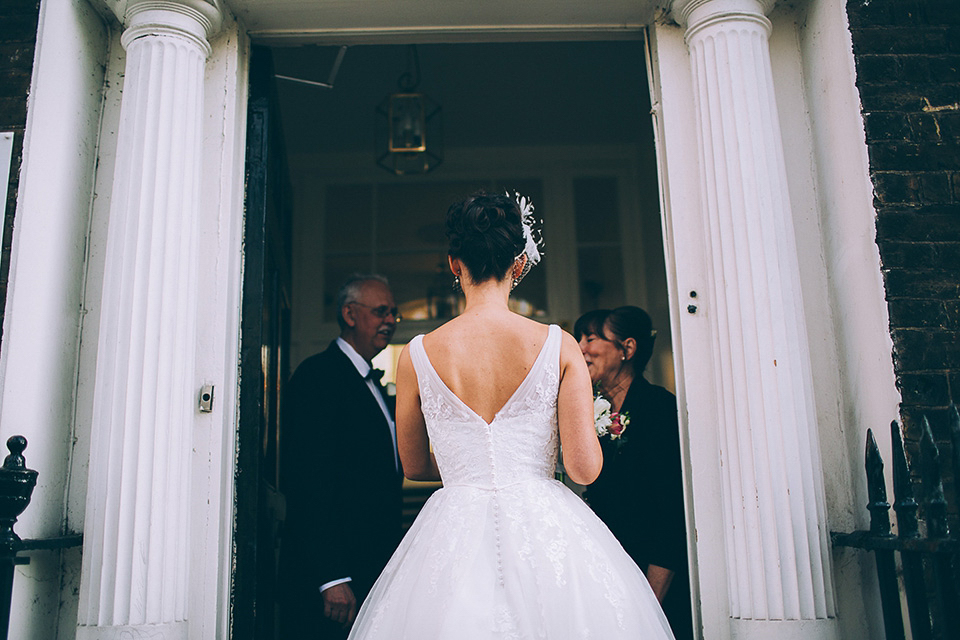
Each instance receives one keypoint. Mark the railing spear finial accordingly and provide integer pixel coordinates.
(876, 488)
(16, 487)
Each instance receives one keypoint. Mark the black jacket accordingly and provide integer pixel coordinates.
(339, 477)
(639, 493)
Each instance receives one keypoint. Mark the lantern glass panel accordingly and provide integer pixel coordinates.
(407, 123)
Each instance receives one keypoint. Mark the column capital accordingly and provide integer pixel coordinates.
(196, 20)
(692, 14)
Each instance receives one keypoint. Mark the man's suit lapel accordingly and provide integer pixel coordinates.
(358, 395)
(389, 400)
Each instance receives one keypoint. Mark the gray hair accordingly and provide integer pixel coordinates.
(350, 292)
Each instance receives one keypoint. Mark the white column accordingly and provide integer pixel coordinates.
(773, 506)
(135, 556)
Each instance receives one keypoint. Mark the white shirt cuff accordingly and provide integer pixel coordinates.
(333, 583)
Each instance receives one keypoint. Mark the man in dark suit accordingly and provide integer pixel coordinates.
(340, 471)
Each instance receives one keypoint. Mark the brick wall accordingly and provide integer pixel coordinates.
(908, 72)
(18, 35)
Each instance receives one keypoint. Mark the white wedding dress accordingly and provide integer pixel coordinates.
(504, 550)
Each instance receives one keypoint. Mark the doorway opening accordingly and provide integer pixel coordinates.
(566, 124)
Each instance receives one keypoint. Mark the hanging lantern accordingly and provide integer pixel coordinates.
(409, 131)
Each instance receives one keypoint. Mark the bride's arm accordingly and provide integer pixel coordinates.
(413, 445)
(582, 456)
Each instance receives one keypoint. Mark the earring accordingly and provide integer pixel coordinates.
(456, 284)
(516, 281)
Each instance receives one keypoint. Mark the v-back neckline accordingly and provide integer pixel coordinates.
(516, 392)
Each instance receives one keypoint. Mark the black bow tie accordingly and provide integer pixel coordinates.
(375, 375)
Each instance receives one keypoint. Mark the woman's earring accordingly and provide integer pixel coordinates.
(456, 284)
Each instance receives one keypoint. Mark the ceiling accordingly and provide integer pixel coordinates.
(492, 95)
(435, 20)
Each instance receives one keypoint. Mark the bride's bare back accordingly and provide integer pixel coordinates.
(484, 357)
(484, 354)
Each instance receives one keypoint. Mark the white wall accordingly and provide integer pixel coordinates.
(866, 393)
(842, 289)
(38, 362)
(843, 295)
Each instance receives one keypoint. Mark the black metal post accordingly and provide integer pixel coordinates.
(880, 527)
(931, 564)
(906, 507)
(944, 616)
(16, 487)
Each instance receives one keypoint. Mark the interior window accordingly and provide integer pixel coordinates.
(398, 230)
(599, 242)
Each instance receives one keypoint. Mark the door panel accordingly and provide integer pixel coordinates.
(265, 338)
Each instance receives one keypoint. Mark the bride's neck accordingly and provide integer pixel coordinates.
(487, 295)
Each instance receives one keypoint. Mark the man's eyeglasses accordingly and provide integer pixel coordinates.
(382, 311)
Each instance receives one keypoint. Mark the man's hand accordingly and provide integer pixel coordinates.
(339, 604)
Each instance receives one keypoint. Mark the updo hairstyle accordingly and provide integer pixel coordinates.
(486, 234)
(617, 326)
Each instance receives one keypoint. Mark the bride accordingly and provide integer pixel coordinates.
(502, 550)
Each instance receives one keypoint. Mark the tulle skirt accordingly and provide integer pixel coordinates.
(527, 561)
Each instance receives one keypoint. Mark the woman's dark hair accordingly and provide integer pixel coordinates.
(590, 324)
(618, 325)
(486, 233)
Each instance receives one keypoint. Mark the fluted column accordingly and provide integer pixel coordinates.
(773, 504)
(135, 557)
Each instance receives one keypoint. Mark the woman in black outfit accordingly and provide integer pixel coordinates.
(639, 494)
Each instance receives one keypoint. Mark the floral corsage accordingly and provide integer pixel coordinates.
(608, 424)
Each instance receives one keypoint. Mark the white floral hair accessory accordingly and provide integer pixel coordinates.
(534, 241)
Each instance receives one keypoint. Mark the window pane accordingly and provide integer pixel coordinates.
(411, 244)
(422, 284)
(601, 278)
(596, 208)
(413, 216)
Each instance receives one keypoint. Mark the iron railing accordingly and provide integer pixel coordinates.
(929, 555)
(16, 487)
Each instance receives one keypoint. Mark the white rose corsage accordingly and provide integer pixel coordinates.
(608, 424)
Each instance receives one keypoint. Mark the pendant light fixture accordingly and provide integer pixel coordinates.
(409, 131)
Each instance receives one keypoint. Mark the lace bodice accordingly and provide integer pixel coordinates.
(521, 442)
